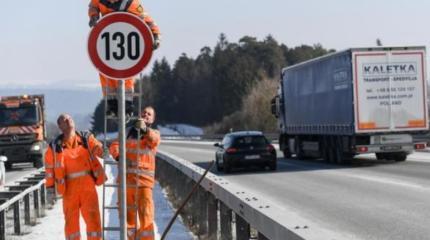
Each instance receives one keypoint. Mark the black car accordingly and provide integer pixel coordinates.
(243, 149)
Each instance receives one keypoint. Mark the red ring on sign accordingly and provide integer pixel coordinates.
(141, 27)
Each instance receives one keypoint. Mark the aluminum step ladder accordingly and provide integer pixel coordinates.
(111, 187)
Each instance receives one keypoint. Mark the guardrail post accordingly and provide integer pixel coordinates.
(193, 205)
(27, 209)
(16, 218)
(261, 237)
(242, 228)
(43, 198)
(202, 216)
(212, 217)
(36, 203)
(226, 218)
(2, 225)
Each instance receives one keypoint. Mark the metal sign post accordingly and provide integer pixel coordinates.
(122, 163)
(120, 46)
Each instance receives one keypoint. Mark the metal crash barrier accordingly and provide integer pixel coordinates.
(22, 204)
(223, 210)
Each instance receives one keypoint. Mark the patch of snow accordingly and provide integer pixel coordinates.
(185, 129)
(51, 227)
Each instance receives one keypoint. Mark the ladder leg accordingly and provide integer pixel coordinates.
(105, 150)
(136, 203)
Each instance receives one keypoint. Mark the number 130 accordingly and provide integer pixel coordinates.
(132, 47)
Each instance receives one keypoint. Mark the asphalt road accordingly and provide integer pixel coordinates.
(368, 199)
(18, 171)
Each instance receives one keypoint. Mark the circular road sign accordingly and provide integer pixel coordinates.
(120, 45)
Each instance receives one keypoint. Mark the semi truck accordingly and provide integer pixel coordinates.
(356, 101)
(22, 129)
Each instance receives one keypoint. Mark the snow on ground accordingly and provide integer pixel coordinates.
(51, 227)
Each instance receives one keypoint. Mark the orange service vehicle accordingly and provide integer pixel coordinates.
(22, 129)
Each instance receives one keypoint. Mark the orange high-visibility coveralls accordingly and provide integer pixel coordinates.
(141, 171)
(81, 173)
(104, 7)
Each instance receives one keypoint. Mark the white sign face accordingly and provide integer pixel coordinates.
(120, 45)
(390, 92)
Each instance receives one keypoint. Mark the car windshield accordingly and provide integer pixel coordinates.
(18, 116)
(246, 141)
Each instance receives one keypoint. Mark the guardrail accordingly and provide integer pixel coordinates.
(212, 137)
(220, 201)
(17, 199)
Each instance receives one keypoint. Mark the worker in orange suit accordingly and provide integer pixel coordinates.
(110, 86)
(73, 171)
(140, 157)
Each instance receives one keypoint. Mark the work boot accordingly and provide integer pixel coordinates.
(112, 107)
(129, 107)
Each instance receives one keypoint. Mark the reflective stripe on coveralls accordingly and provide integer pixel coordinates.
(78, 174)
(94, 234)
(140, 151)
(145, 234)
(73, 236)
(140, 172)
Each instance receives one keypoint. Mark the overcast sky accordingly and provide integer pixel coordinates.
(43, 42)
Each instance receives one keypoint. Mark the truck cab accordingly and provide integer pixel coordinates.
(22, 129)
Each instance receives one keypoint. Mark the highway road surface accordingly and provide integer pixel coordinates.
(18, 171)
(367, 199)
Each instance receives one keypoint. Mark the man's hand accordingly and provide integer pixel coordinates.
(93, 21)
(50, 195)
(140, 124)
(157, 42)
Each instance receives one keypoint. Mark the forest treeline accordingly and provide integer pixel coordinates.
(225, 87)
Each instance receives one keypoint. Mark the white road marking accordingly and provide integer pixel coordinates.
(414, 157)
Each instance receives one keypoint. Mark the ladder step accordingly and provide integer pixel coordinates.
(111, 207)
(117, 185)
(112, 229)
(111, 117)
(111, 162)
(135, 94)
(116, 207)
(111, 185)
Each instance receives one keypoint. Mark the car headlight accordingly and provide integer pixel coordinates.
(35, 147)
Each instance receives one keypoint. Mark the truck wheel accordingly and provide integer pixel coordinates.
(331, 150)
(286, 153)
(325, 150)
(8, 165)
(298, 149)
(38, 163)
(218, 167)
(273, 166)
(227, 167)
(399, 156)
(381, 156)
(338, 158)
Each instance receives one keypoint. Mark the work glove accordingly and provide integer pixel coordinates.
(157, 42)
(93, 21)
(50, 196)
(140, 124)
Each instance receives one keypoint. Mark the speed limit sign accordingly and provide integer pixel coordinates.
(120, 45)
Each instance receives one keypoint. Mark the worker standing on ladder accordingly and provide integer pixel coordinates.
(73, 171)
(140, 155)
(110, 86)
